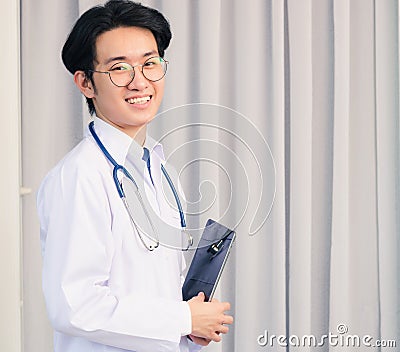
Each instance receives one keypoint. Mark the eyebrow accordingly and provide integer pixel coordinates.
(124, 58)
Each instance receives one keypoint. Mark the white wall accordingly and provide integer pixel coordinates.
(10, 234)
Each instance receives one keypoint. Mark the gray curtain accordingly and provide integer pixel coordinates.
(286, 114)
(51, 125)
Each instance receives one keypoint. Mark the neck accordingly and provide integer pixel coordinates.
(140, 136)
(138, 133)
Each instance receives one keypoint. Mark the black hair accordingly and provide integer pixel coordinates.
(79, 51)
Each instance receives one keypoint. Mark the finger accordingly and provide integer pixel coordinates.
(223, 329)
(226, 306)
(228, 319)
(200, 340)
(215, 337)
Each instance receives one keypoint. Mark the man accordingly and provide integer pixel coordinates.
(106, 288)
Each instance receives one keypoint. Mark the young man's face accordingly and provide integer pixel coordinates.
(127, 108)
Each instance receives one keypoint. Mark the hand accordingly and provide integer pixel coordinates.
(209, 318)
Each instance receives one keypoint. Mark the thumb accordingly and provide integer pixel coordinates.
(201, 296)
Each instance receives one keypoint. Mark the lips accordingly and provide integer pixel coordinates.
(139, 100)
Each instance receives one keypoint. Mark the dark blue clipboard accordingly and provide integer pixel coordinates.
(208, 261)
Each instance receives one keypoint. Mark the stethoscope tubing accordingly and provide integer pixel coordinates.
(120, 168)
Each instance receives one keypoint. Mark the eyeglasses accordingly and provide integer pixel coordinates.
(122, 74)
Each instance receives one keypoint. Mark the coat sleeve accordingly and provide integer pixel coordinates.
(78, 249)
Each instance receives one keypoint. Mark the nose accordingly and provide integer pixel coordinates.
(139, 81)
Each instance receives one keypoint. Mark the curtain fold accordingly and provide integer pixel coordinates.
(51, 115)
(388, 171)
(318, 80)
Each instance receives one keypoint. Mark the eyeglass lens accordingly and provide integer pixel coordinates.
(153, 69)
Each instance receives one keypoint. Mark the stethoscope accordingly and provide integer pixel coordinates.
(121, 193)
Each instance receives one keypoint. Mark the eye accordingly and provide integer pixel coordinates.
(152, 62)
(122, 66)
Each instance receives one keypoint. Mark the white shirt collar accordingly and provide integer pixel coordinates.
(119, 144)
(153, 146)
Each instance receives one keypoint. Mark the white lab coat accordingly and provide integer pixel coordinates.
(104, 290)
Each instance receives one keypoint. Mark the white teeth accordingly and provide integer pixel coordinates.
(141, 100)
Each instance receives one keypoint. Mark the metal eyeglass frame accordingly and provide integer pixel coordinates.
(133, 71)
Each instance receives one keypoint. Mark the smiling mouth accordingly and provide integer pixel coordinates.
(139, 100)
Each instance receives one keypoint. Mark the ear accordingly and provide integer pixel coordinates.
(84, 84)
